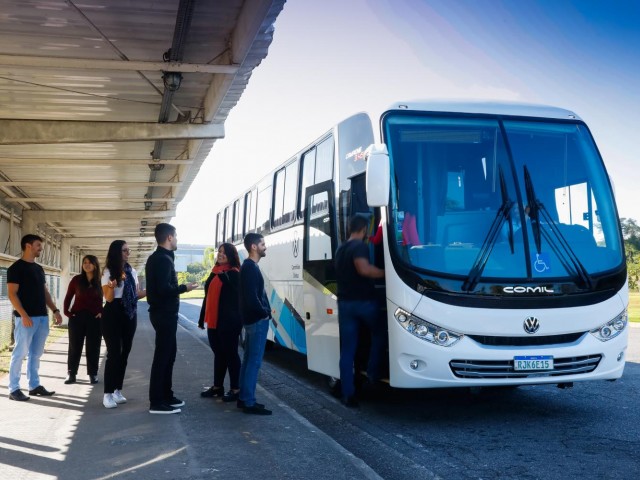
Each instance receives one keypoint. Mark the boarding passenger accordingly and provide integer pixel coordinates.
(119, 319)
(256, 315)
(164, 302)
(221, 314)
(84, 319)
(30, 298)
(357, 306)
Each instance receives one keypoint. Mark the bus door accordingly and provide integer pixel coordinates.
(320, 286)
(358, 206)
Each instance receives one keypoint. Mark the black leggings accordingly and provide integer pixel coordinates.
(224, 345)
(118, 331)
(84, 325)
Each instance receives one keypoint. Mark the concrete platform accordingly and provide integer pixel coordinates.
(72, 436)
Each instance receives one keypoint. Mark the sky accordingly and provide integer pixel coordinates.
(332, 58)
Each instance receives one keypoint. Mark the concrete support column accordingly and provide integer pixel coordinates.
(29, 223)
(65, 273)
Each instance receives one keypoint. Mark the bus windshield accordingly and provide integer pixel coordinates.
(500, 199)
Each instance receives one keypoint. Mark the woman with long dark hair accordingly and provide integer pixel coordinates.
(84, 319)
(119, 320)
(221, 313)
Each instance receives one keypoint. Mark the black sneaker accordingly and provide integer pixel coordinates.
(93, 379)
(212, 392)
(175, 402)
(71, 378)
(230, 396)
(18, 396)
(240, 404)
(163, 409)
(41, 392)
(256, 410)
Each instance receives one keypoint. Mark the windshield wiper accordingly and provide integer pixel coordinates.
(503, 214)
(558, 243)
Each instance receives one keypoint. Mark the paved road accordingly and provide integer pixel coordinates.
(540, 432)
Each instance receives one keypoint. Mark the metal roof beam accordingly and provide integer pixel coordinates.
(246, 30)
(21, 132)
(126, 65)
(53, 162)
(89, 241)
(86, 215)
(86, 199)
(80, 184)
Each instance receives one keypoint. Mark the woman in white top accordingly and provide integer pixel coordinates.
(119, 320)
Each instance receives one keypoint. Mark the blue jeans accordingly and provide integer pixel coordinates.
(352, 314)
(255, 340)
(29, 343)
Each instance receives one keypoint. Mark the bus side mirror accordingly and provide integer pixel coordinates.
(378, 175)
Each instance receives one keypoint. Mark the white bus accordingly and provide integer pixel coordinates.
(502, 247)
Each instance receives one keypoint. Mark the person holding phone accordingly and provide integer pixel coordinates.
(121, 291)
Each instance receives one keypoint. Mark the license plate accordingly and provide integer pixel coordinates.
(533, 362)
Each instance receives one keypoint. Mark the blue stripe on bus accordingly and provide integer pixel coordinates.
(289, 322)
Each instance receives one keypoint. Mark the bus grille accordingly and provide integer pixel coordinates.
(504, 368)
(528, 341)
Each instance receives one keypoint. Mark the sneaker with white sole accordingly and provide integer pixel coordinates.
(108, 401)
(175, 402)
(118, 397)
(163, 409)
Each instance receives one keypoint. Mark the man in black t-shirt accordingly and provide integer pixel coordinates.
(357, 306)
(29, 296)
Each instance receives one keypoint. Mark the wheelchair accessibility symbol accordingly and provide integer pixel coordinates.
(541, 263)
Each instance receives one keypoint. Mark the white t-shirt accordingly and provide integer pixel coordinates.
(117, 292)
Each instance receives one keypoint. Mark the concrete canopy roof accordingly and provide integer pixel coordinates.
(108, 108)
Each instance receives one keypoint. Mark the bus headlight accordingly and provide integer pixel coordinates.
(425, 330)
(611, 329)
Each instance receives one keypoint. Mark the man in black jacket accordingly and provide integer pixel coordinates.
(256, 314)
(163, 295)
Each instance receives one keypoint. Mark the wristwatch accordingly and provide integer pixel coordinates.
(57, 310)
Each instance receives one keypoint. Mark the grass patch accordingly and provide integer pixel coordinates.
(54, 334)
(634, 306)
(198, 293)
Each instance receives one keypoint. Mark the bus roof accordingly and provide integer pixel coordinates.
(484, 107)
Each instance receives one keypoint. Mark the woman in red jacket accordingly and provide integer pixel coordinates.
(221, 314)
(84, 319)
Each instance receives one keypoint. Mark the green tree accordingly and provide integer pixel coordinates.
(209, 257)
(631, 235)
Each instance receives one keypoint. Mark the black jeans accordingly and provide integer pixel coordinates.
(118, 331)
(160, 383)
(84, 328)
(224, 345)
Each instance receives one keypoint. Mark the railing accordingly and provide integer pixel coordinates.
(52, 278)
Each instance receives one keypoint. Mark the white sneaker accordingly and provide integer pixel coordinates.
(118, 397)
(108, 401)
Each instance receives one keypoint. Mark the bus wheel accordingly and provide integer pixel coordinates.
(335, 388)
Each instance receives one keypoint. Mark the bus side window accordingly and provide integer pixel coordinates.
(264, 209)
(307, 177)
(324, 160)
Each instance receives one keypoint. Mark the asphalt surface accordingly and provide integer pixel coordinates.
(538, 432)
(72, 436)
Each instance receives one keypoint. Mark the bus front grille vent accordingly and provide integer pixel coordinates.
(528, 341)
(494, 369)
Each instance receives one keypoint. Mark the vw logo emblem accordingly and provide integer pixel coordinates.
(296, 244)
(531, 325)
